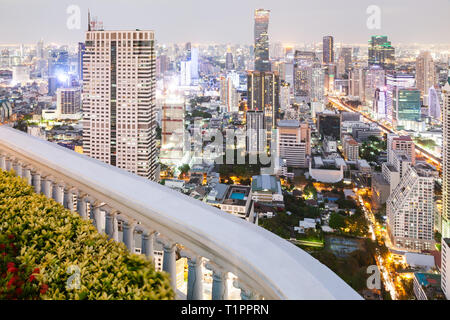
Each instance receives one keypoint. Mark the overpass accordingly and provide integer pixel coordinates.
(261, 264)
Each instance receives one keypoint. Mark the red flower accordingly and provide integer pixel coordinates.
(44, 288)
(3, 253)
(10, 236)
(31, 278)
(36, 270)
(2, 246)
(18, 290)
(11, 282)
(10, 265)
(12, 270)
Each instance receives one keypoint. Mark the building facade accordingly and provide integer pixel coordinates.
(119, 100)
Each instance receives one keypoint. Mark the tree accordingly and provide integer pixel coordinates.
(184, 169)
(336, 221)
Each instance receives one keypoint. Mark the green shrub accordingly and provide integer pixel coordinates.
(52, 239)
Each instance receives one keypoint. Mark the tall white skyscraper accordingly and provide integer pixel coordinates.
(119, 100)
(410, 212)
(185, 73)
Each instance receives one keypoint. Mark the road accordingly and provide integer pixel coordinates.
(377, 236)
(336, 102)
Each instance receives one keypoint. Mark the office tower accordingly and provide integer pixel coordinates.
(68, 100)
(357, 80)
(172, 131)
(381, 53)
(329, 124)
(410, 212)
(294, 143)
(229, 63)
(346, 54)
(303, 61)
(375, 78)
(425, 75)
(5, 61)
(435, 102)
(256, 137)
(328, 50)
(81, 51)
(185, 73)
(162, 65)
(406, 108)
(119, 100)
(263, 93)
(262, 62)
(396, 80)
(289, 74)
(446, 161)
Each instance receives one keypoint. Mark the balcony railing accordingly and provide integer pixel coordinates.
(264, 265)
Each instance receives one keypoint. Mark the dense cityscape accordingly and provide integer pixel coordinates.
(339, 149)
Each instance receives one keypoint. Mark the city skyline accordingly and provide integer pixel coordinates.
(308, 22)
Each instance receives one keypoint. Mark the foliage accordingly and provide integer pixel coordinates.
(52, 238)
(337, 221)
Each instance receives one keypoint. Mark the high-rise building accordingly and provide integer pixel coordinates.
(185, 73)
(303, 62)
(445, 267)
(446, 161)
(294, 143)
(425, 75)
(68, 100)
(350, 148)
(396, 80)
(375, 78)
(346, 54)
(403, 145)
(194, 64)
(229, 63)
(263, 93)
(81, 51)
(410, 212)
(40, 49)
(317, 83)
(406, 107)
(357, 79)
(329, 124)
(328, 50)
(381, 53)
(256, 133)
(262, 62)
(229, 97)
(435, 102)
(172, 131)
(119, 100)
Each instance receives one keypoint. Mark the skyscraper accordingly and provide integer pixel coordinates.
(396, 80)
(119, 100)
(256, 139)
(410, 212)
(81, 51)
(303, 62)
(425, 75)
(262, 62)
(446, 162)
(172, 133)
(381, 53)
(229, 64)
(328, 50)
(263, 93)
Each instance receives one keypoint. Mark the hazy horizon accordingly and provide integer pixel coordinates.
(201, 21)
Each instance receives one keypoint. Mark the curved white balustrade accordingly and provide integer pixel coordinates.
(268, 265)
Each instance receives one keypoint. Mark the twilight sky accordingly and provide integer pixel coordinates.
(229, 21)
